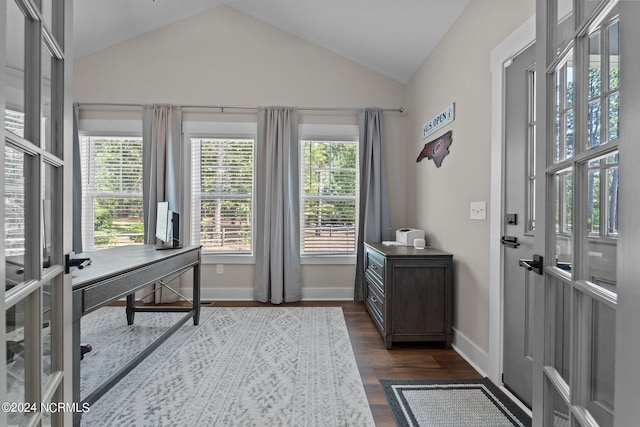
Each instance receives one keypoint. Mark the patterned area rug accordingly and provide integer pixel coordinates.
(289, 366)
(452, 403)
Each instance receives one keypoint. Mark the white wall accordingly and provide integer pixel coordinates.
(458, 70)
(224, 57)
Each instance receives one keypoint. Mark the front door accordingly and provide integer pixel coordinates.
(518, 223)
(35, 373)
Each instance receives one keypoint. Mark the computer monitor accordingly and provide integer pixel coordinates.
(162, 222)
(167, 227)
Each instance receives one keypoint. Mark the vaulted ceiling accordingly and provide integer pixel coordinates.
(393, 37)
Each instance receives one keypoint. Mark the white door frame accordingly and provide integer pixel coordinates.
(517, 41)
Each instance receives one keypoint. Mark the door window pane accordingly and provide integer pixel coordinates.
(46, 10)
(594, 79)
(15, 345)
(47, 318)
(563, 185)
(613, 103)
(602, 221)
(50, 193)
(45, 114)
(614, 56)
(14, 205)
(564, 25)
(565, 116)
(14, 93)
(603, 84)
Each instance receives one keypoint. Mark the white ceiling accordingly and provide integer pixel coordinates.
(393, 37)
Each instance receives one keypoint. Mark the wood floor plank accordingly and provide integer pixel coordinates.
(375, 362)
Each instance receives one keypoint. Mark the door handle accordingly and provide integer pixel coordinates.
(535, 264)
(510, 241)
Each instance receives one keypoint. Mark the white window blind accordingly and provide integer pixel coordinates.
(329, 197)
(222, 194)
(112, 211)
(14, 201)
(14, 122)
(14, 213)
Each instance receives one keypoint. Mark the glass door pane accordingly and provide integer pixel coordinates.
(45, 112)
(563, 248)
(15, 345)
(14, 93)
(564, 25)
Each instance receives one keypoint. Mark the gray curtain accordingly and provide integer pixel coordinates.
(277, 210)
(77, 183)
(162, 171)
(373, 221)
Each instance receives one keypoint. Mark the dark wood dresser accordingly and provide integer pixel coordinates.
(409, 293)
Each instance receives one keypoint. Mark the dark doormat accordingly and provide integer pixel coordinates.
(452, 403)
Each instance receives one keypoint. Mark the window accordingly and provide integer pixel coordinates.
(222, 194)
(329, 199)
(112, 211)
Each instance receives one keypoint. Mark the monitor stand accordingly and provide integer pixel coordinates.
(175, 245)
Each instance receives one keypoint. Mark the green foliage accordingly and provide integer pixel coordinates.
(103, 219)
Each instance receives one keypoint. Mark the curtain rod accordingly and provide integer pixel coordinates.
(230, 107)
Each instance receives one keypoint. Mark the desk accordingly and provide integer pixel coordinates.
(117, 273)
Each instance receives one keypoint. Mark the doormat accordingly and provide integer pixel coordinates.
(452, 403)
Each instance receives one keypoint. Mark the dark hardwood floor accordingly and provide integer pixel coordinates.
(375, 362)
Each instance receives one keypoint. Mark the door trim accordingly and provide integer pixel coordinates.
(515, 43)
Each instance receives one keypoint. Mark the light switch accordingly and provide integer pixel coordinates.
(478, 210)
(219, 268)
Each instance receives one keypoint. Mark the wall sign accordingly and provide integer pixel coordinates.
(437, 149)
(440, 120)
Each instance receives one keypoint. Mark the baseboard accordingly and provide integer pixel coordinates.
(327, 294)
(246, 294)
(470, 352)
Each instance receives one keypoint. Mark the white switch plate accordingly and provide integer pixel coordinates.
(478, 210)
(219, 268)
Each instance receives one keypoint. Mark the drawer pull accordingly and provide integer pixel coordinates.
(374, 300)
(375, 267)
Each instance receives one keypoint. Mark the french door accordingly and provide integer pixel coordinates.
(36, 104)
(581, 83)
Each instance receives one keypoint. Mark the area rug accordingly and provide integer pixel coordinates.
(452, 403)
(289, 366)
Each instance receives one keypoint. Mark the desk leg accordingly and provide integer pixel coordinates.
(131, 311)
(196, 294)
(75, 338)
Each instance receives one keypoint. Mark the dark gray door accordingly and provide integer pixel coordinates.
(519, 223)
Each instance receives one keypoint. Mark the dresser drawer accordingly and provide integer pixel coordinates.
(375, 266)
(375, 305)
